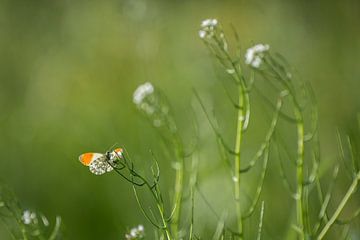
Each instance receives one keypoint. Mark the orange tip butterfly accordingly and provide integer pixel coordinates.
(99, 163)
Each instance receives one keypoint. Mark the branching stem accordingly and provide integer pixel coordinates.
(341, 206)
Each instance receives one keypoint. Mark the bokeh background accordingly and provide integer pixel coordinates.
(68, 70)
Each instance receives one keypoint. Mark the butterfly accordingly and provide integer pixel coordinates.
(100, 163)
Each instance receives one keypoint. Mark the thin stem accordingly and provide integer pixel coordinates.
(154, 190)
(144, 212)
(300, 210)
(301, 201)
(341, 206)
(156, 194)
(161, 211)
(325, 201)
(261, 221)
(23, 231)
(269, 134)
(192, 196)
(56, 228)
(259, 187)
(211, 208)
(237, 160)
(179, 179)
(242, 123)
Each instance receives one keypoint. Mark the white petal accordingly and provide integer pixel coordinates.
(256, 63)
(202, 34)
(142, 91)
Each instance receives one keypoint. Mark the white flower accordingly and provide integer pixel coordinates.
(209, 23)
(141, 228)
(29, 217)
(135, 233)
(142, 92)
(208, 28)
(202, 34)
(255, 54)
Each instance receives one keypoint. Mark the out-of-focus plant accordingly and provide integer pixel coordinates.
(156, 108)
(213, 36)
(136, 233)
(295, 104)
(296, 94)
(25, 224)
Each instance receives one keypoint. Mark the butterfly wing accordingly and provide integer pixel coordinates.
(100, 166)
(116, 154)
(97, 162)
(87, 158)
(118, 151)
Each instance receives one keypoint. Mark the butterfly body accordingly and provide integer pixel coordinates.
(100, 163)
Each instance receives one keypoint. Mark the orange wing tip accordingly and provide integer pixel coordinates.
(119, 151)
(86, 158)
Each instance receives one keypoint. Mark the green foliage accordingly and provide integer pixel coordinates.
(25, 224)
(67, 73)
(301, 114)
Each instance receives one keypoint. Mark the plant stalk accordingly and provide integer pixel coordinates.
(179, 182)
(341, 206)
(237, 159)
(300, 210)
(161, 211)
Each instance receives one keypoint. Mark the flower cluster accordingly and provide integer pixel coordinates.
(208, 28)
(29, 217)
(153, 104)
(142, 92)
(140, 95)
(255, 55)
(135, 233)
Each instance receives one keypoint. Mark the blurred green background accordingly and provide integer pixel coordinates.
(68, 70)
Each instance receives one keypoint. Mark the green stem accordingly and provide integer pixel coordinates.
(161, 211)
(301, 201)
(179, 179)
(240, 122)
(24, 234)
(300, 210)
(341, 206)
(55, 232)
(157, 195)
